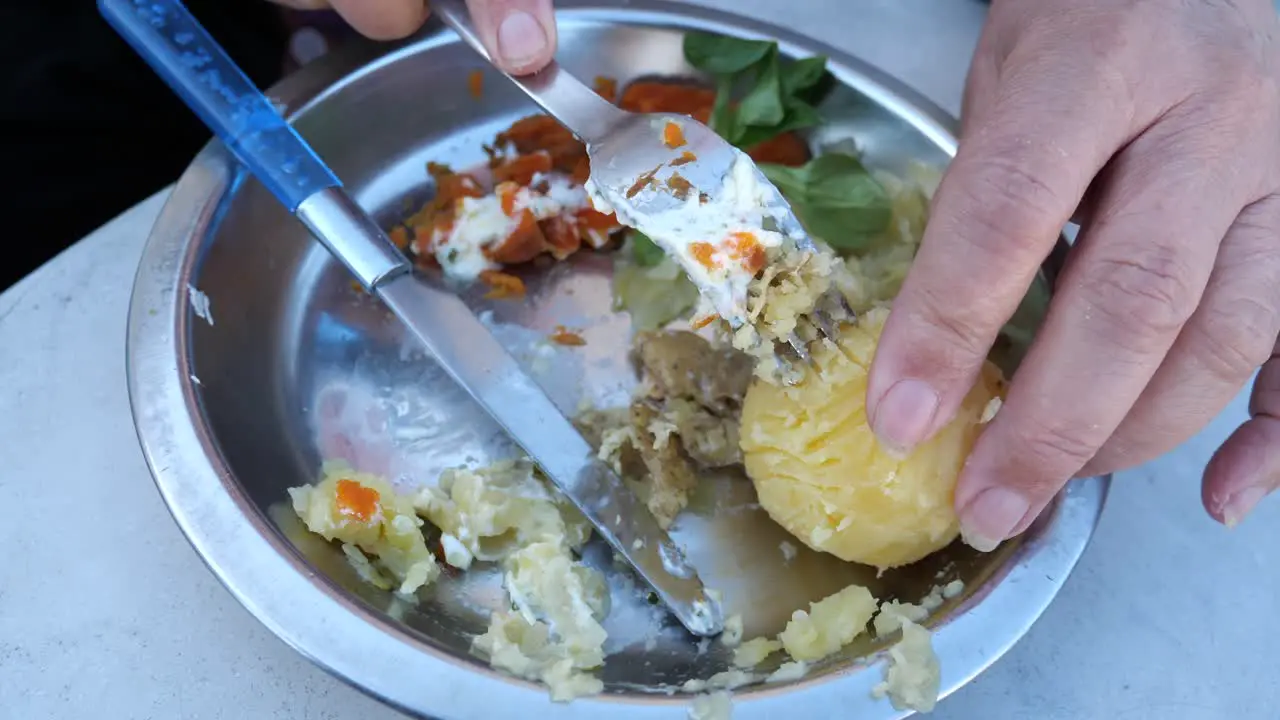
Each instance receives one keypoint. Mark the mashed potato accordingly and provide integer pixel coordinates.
(367, 515)
(821, 474)
(830, 624)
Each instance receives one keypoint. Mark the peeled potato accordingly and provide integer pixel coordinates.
(822, 475)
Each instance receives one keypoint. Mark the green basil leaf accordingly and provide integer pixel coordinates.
(835, 198)
(798, 117)
(723, 55)
(763, 106)
(799, 75)
(789, 181)
(644, 251)
(723, 118)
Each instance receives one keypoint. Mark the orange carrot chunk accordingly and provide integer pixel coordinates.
(564, 336)
(702, 252)
(502, 285)
(672, 135)
(356, 501)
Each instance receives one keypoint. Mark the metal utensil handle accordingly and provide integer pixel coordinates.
(182, 52)
(562, 95)
(199, 71)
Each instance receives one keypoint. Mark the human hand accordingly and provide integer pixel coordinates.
(519, 34)
(1154, 124)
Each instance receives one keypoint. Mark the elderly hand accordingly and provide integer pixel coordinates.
(520, 34)
(1156, 125)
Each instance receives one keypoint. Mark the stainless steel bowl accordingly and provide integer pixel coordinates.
(291, 364)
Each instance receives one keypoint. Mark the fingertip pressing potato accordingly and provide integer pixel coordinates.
(821, 473)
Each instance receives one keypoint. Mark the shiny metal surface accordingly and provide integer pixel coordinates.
(465, 350)
(625, 146)
(553, 88)
(300, 366)
(353, 238)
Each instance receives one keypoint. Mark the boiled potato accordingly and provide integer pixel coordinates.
(822, 475)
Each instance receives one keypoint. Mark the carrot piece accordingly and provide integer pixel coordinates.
(702, 252)
(502, 285)
(685, 158)
(672, 135)
(564, 336)
(522, 168)
(606, 87)
(356, 500)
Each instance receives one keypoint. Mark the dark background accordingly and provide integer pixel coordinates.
(86, 129)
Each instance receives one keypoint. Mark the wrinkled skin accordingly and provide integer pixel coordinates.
(520, 34)
(1156, 125)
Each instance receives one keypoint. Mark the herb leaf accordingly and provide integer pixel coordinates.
(780, 93)
(722, 54)
(764, 106)
(798, 117)
(835, 198)
(803, 74)
(644, 251)
(724, 118)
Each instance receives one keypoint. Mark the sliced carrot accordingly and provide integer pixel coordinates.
(700, 322)
(703, 252)
(672, 135)
(399, 237)
(506, 192)
(502, 285)
(596, 220)
(641, 183)
(681, 98)
(563, 236)
(786, 149)
(564, 336)
(543, 132)
(525, 242)
(685, 158)
(475, 83)
(606, 87)
(679, 186)
(522, 168)
(356, 500)
(746, 247)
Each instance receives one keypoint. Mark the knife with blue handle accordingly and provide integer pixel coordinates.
(173, 42)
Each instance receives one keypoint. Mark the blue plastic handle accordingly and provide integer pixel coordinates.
(183, 53)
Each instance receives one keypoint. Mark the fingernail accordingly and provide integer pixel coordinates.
(904, 414)
(1241, 504)
(520, 38)
(990, 518)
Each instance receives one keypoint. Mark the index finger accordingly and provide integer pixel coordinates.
(1018, 176)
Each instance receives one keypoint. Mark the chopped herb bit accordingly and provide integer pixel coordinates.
(835, 198)
(780, 95)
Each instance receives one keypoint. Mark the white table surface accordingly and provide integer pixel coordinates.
(107, 612)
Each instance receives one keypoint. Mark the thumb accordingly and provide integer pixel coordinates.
(519, 34)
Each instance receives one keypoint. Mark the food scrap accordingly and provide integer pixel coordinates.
(912, 675)
(564, 336)
(606, 87)
(475, 83)
(370, 519)
(502, 285)
(672, 134)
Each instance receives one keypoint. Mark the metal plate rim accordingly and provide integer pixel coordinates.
(260, 569)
